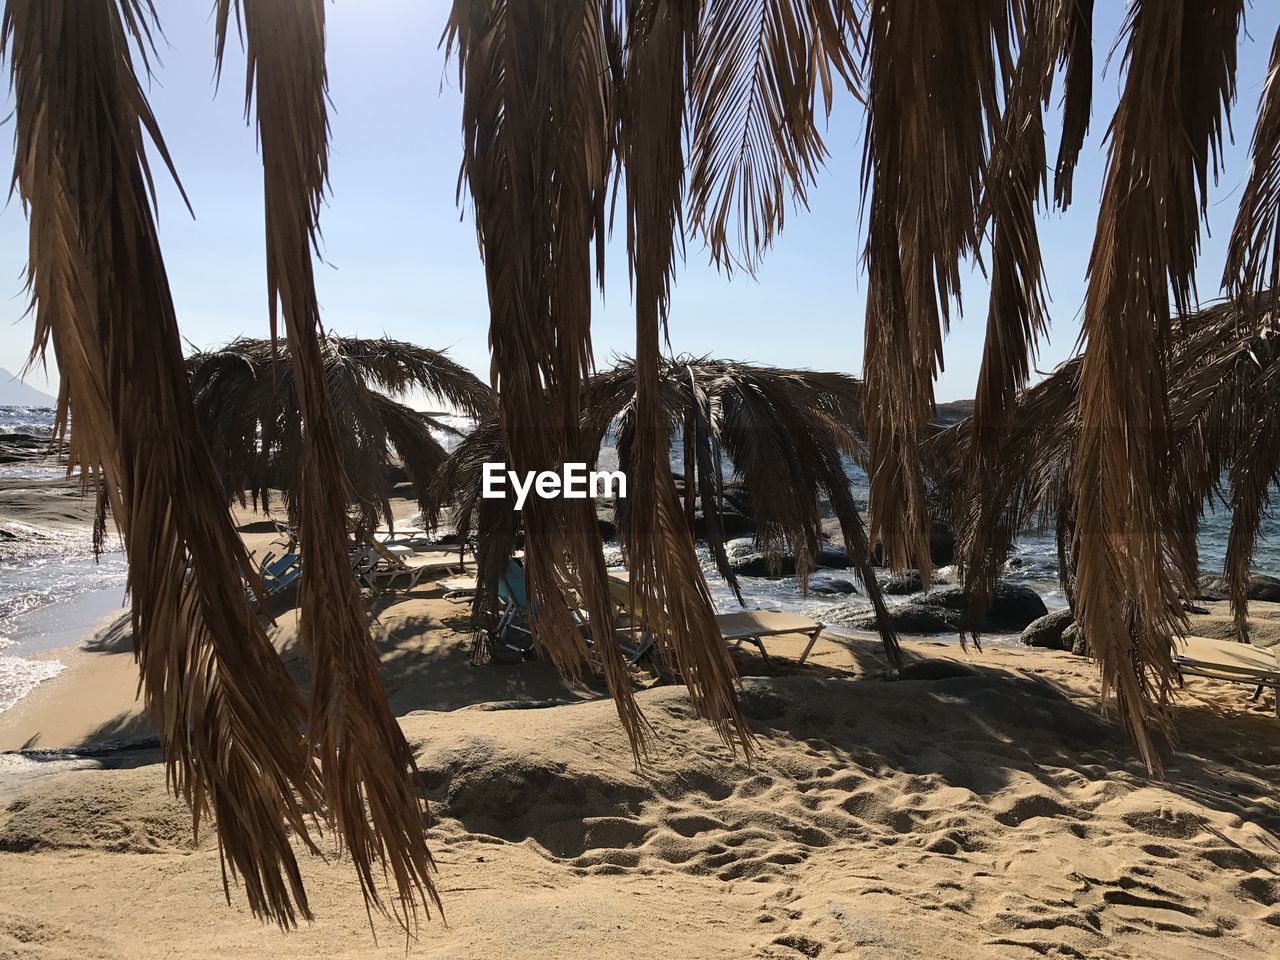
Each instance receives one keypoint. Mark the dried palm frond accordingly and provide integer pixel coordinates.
(492, 524)
(1077, 96)
(227, 714)
(538, 136)
(934, 78)
(1017, 315)
(248, 407)
(667, 582)
(1224, 369)
(786, 433)
(755, 146)
(1253, 254)
(366, 765)
(1226, 420)
(1026, 482)
(1132, 560)
(1015, 181)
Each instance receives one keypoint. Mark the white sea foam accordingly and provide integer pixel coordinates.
(19, 676)
(33, 589)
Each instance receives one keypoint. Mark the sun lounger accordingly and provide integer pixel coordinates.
(517, 606)
(515, 609)
(458, 589)
(753, 626)
(375, 570)
(289, 534)
(1234, 662)
(277, 574)
(743, 626)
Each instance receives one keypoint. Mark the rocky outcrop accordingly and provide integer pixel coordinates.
(1047, 632)
(1261, 587)
(758, 565)
(1013, 607)
(825, 585)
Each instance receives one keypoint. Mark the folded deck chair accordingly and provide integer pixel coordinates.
(1233, 662)
(517, 607)
(743, 626)
(514, 595)
(277, 574)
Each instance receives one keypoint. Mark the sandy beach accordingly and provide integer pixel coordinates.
(981, 806)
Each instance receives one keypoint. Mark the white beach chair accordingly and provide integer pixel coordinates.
(742, 626)
(1233, 662)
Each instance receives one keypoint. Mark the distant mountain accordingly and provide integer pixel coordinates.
(953, 411)
(15, 393)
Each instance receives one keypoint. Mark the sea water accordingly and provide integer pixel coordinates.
(51, 585)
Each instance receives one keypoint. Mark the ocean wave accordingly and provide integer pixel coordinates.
(33, 421)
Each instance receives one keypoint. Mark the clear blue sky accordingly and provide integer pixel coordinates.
(403, 261)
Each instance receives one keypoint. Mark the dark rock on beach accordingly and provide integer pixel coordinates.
(903, 584)
(1047, 631)
(1073, 640)
(1261, 587)
(942, 548)
(833, 558)
(914, 616)
(758, 565)
(942, 611)
(831, 586)
(732, 524)
(1013, 606)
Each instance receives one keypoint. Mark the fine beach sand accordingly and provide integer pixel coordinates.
(979, 807)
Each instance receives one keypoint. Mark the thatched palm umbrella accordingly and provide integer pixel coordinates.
(785, 433)
(246, 400)
(1224, 377)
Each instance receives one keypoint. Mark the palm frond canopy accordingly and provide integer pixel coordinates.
(246, 401)
(787, 435)
(563, 103)
(1224, 375)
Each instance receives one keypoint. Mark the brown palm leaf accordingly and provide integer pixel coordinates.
(537, 87)
(667, 582)
(1225, 376)
(1131, 566)
(755, 147)
(367, 767)
(1253, 254)
(226, 711)
(1077, 96)
(1017, 314)
(246, 399)
(934, 78)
